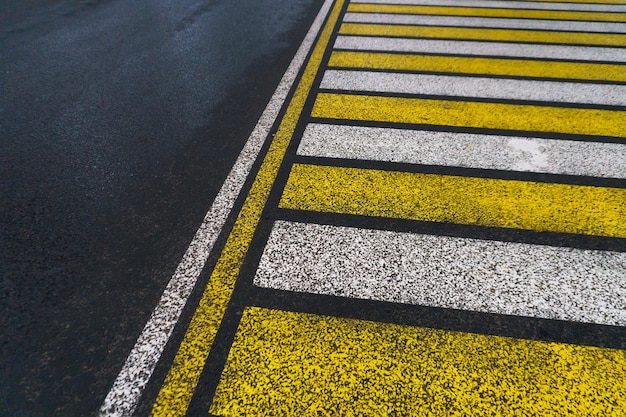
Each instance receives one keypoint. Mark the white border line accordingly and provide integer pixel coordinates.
(137, 370)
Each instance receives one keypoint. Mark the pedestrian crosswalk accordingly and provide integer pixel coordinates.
(447, 182)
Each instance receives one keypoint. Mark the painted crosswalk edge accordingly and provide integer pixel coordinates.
(139, 366)
(180, 383)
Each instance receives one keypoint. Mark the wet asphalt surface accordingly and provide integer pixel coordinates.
(119, 122)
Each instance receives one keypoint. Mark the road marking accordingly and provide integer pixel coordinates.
(564, 208)
(496, 4)
(484, 12)
(181, 381)
(290, 364)
(436, 198)
(471, 114)
(440, 271)
(495, 49)
(475, 87)
(582, 1)
(139, 366)
(484, 34)
(479, 66)
(510, 153)
(488, 22)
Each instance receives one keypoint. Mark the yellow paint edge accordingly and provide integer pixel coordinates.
(445, 32)
(513, 204)
(470, 65)
(471, 114)
(296, 364)
(487, 12)
(578, 1)
(180, 383)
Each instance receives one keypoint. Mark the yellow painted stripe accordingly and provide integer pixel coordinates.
(467, 65)
(293, 364)
(580, 1)
(487, 12)
(445, 32)
(181, 381)
(471, 114)
(564, 208)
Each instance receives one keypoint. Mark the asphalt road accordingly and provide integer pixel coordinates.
(119, 123)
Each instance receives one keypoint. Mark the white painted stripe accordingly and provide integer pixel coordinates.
(468, 274)
(137, 370)
(507, 4)
(486, 22)
(462, 86)
(502, 49)
(509, 153)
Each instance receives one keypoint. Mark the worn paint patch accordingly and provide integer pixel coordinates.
(284, 363)
(469, 150)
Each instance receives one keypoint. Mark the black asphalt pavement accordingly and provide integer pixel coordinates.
(119, 122)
